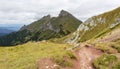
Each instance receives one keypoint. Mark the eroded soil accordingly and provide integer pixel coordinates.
(86, 55)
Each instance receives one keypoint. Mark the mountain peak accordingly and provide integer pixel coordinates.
(64, 13)
(44, 29)
(47, 16)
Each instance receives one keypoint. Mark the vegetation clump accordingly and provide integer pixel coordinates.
(105, 61)
(117, 47)
(116, 65)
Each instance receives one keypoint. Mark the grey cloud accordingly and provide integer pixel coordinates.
(27, 11)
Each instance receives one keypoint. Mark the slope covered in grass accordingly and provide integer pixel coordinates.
(96, 26)
(110, 45)
(25, 56)
(101, 24)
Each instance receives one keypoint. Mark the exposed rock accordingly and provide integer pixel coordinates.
(64, 13)
(117, 21)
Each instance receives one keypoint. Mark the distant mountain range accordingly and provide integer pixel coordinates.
(7, 29)
(14, 27)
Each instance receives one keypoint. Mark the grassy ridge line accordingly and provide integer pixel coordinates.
(102, 22)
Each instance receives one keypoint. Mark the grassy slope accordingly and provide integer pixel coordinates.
(35, 26)
(101, 27)
(25, 56)
(108, 61)
(112, 47)
(68, 22)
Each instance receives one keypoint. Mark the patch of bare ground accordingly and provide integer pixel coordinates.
(86, 55)
(118, 55)
(47, 63)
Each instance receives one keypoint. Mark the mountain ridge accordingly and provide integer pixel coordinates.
(46, 28)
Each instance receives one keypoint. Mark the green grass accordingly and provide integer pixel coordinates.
(116, 65)
(25, 56)
(108, 61)
(117, 47)
(108, 47)
(105, 61)
(105, 47)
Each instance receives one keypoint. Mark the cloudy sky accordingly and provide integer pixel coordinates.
(27, 11)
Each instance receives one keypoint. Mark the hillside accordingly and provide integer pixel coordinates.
(96, 26)
(109, 44)
(46, 28)
(26, 56)
(97, 41)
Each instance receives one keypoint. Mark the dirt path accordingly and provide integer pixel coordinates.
(86, 55)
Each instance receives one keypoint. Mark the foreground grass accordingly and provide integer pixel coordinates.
(105, 61)
(110, 59)
(25, 56)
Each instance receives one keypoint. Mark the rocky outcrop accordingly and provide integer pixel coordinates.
(64, 13)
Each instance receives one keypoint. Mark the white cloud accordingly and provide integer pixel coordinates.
(27, 11)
